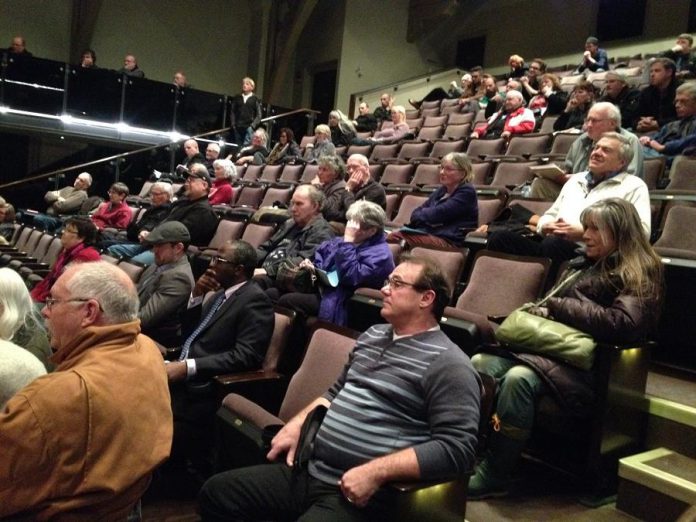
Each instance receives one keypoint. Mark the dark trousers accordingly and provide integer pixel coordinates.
(553, 247)
(277, 492)
(194, 417)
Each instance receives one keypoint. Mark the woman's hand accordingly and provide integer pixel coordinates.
(540, 311)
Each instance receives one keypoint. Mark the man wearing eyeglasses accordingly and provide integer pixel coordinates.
(82, 442)
(405, 408)
(602, 117)
(227, 332)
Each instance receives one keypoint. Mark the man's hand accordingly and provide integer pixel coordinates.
(259, 272)
(644, 140)
(360, 483)
(353, 182)
(286, 440)
(567, 231)
(647, 124)
(483, 229)
(176, 371)
(474, 135)
(206, 283)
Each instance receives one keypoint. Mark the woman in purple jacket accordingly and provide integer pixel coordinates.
(361, 258)
(449, 213)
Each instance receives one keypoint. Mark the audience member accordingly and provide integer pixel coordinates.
(192, 155)
(229, 332)
(222, 193)
(611, 293)
(63, 202)
(165, 286)
(444, 217)
(682, 55)
(531, 86)
(357, 450)
(676, 135)
(513, 118)
(575, 112)
(330, 176)
(603, 117)
(114, 213)
(18, 366)
(398, 131)
(212, 152)
(193, 210)
(360, 183)
(365, 122)
(160, 207)
(342, 129)
(297, 238)
(518, 69)
(463, 90)
(246, 113)
(560, 226)
(180, 80)
(322, 145)
(286, 150)
(594, 59)
(492, 99)
(626, 98)
(551, 99)
(77, 238)
(361, 258)
(656, 104)
(18, 47)
(88, 59)
(130, 67)
(257, 151)
(383, 112)
(107, 406)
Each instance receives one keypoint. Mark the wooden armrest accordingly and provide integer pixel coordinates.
(257, 375)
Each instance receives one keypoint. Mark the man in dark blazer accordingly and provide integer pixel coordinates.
(165, 286)
(246, 113)
(228, 332)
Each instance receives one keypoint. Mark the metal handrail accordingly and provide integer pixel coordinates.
(141, 150)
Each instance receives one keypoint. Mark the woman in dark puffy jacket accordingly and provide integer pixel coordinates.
(612, 293)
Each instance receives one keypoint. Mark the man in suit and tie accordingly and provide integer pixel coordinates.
(228, 332)
(166, 285)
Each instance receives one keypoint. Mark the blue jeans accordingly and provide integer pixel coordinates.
(47, 223)
(144, 258)
(126, 250)
(518, 388)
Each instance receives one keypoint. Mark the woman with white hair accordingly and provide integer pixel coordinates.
(322, 146)
(360, 258)
(342, 129)
(19, 323)
(222, 193)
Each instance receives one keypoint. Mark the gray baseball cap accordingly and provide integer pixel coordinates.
(169, 232)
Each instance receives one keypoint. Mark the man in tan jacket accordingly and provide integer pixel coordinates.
(81, 443)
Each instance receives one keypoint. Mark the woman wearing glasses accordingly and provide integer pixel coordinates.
(452, 210)
(79, 234)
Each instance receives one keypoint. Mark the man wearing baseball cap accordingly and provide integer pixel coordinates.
(165, 286)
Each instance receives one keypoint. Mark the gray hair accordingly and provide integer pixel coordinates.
(109, 286)
(164, 187)
(462, 163)
(262, 134)
(16, 306)
(360, 158)
(314, 194)
(400, 109)
(367, 213)
(214, 146)
(612, 111)
(227, 166)
(687, 88)
(625, 147)
(335, 164)
(86, 176)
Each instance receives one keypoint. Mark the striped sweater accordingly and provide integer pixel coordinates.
(419, 391)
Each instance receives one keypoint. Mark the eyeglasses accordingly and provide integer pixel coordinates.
(595, 120)
(395, 284)
(50, 301)
(219, 259)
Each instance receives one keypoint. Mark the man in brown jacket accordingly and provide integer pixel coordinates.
(81, 443)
